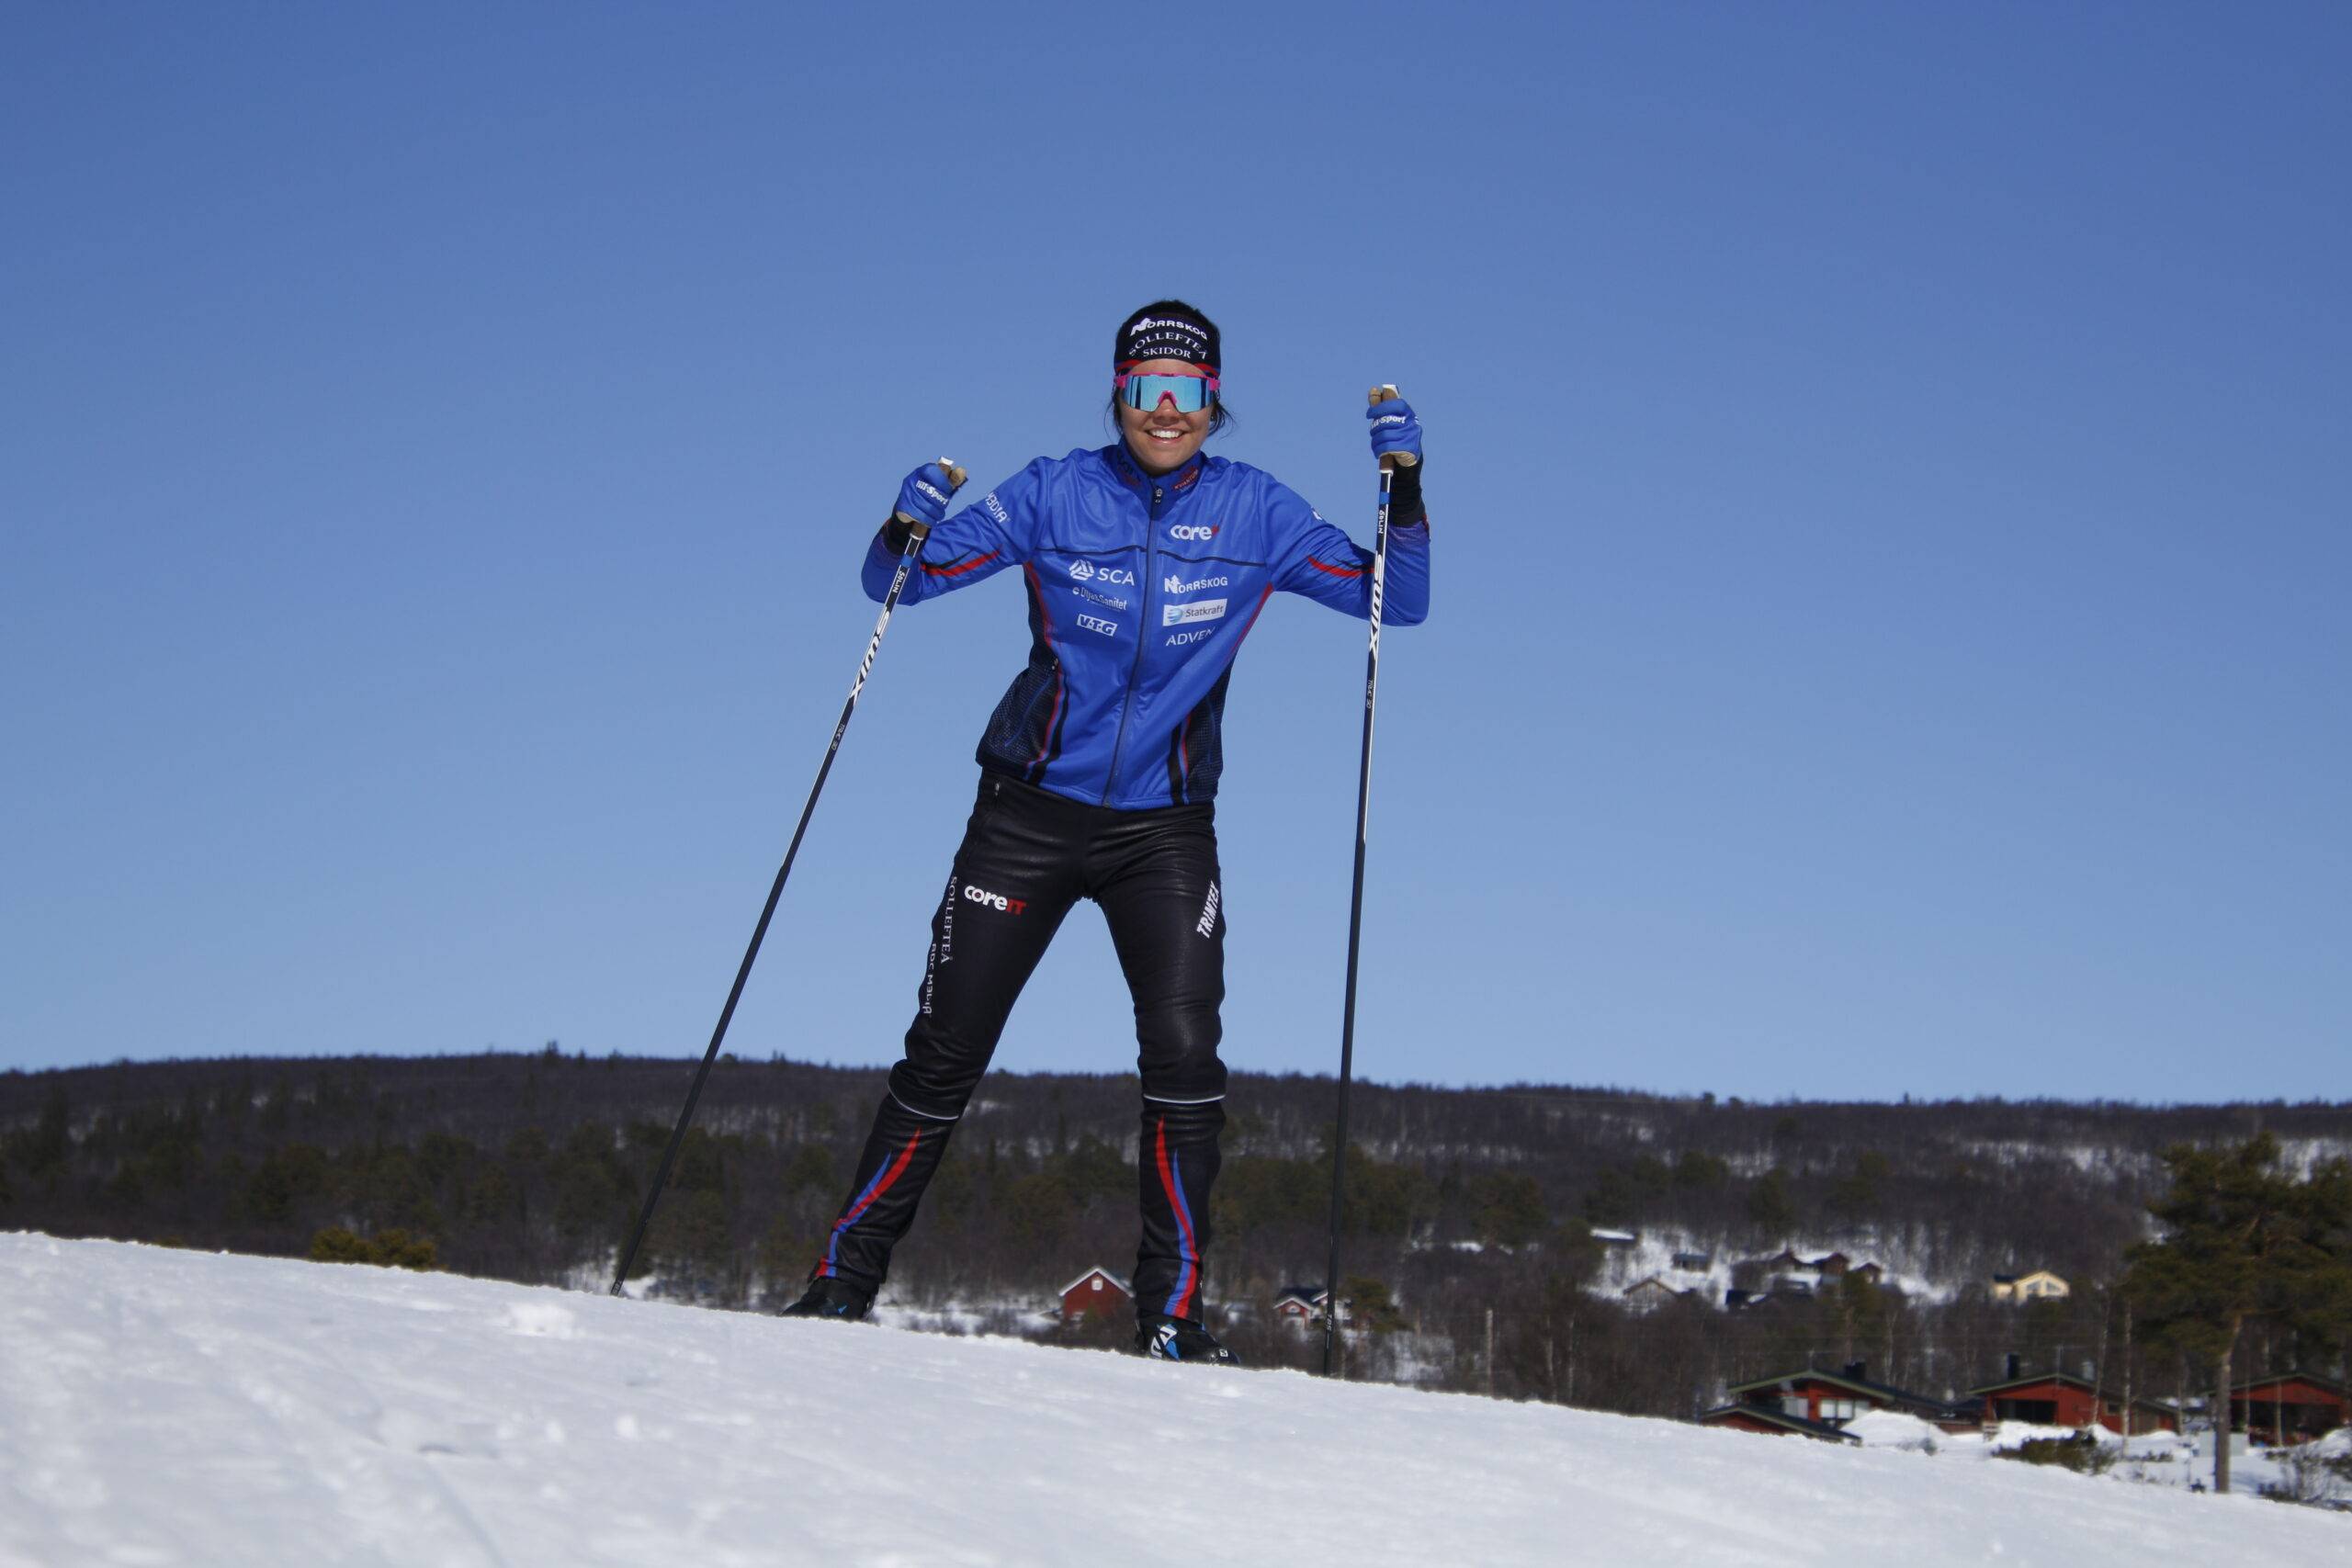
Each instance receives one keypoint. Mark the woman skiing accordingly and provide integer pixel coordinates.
(1145, 565)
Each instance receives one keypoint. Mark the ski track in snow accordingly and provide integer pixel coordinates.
(164, 1407)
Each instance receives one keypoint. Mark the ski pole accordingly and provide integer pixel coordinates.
(917, 532)
(1390, 462)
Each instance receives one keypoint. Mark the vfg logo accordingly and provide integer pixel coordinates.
(1199, 533)
(994, 900)
(1097, 623)
(1087, 571)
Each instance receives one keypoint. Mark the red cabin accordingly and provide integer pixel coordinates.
(2057, 1399)
(1095, 1293)
(1832, 1399)
(2293, 1407)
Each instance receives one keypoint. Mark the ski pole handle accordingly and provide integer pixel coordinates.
(1381, 394)
(956, 478)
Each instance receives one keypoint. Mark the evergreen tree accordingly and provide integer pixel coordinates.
(2234, 1235)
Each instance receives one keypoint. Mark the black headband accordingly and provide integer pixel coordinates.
(1167, 334)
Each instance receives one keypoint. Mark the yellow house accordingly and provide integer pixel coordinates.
(2039, 1285)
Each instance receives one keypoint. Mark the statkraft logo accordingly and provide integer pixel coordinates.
(994, 900)
(1175, 584)
(1087, 571)
(1198, 609)
(1199, 533)
(1097, 623)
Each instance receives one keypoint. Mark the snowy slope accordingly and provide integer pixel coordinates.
(170, 1407)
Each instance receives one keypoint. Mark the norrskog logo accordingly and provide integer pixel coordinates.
(1087, 571)
(1198, 609)
(1097, 623)
(1199, 533)
(1175, 584)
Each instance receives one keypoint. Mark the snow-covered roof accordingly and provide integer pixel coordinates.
(1088, 1274)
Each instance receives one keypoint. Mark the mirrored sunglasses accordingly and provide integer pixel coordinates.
(1192, 393)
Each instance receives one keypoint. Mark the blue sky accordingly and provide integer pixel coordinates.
(1888, 462)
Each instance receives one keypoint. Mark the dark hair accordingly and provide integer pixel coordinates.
(1219, 414)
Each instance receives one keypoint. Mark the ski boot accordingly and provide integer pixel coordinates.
(1165, 1339)
(832, 1297)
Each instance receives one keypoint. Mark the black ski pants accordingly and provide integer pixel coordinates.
(1027, 857)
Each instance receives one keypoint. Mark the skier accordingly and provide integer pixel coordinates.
(1145, 565)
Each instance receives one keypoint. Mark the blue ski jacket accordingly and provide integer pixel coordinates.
(1140, 592)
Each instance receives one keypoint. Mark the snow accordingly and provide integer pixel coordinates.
(169, 1407)
(1650, 1254)
(1893, 1429)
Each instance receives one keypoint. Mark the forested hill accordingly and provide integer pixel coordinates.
(531, 1167)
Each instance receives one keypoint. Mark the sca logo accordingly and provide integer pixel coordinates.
(1087, 571)
(1199, 533)
(1097, 623)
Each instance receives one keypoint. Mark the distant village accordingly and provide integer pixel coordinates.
(1808, 1402)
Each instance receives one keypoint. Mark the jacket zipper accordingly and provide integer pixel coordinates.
(1142, 630)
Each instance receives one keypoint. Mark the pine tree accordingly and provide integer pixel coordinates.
(2234, 1234)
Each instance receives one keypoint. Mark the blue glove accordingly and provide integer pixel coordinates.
(924, 498)
(1394, 429)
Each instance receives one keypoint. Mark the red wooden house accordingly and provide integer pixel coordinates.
(2059, 1399)
(1832, 1399)
(2293, 1407)
(1095, 1293)
(1301, 1306)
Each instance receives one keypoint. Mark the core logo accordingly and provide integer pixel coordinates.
(1175, 584)
(1097, 623)
(1087, 571)
(1198, 609)
(994, 900)
(1183, 640)
(1199, 533)
(996, 508)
